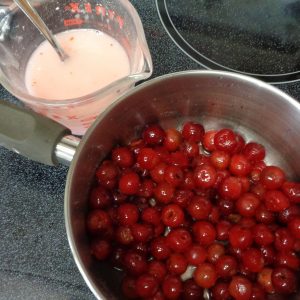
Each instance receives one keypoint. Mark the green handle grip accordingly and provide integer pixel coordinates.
(29, 134)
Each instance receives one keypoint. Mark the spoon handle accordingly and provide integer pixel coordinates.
(32, 14)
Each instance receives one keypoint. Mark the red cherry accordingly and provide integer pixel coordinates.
(240, 143)
(205, 275)
(209, 140)
(98, 221)
(288, 259)
(146, 286)
(220, 159)
(100, 198)
(129, 183)
(239, 165)
(159, 248)
(226, 266)
(220, 291)
(225, 206)
(294, 227)
(276, 201)
(199, 208)
(153, 135)
(204, 232)
(225, 140)
(272, 177)
(182, 197)
(129, 287)
(221, 175)
(135, 263)
(100, 249)
(240, 288)
(196, 255)
(240, 237)
(201, 160)
(123, 157)
(157, 296)
(215, 252)
(205, 176)
(188, 182)
(172, 215)
(136, 145)
(245, 182)
(269, 254)
(176, 264)
(253, 260)
(223, 228)
(172, 287)
(148, 158)
(264, 278)
(259, 190)
(290, 213)
(158, 172)
(214, 215)
(262, 234)
(146, 188)
(292, 191)
(193, 132)
(191, 291)
(247, 205)
(190, 149)
(164, 192)
(141, 232)
(284, 240)
(179, 240)
(258, 293)
(157, 269)
(257, 168)
(178, 158)
(151, 215)
(263, 215)
(230, 188)
(173, 175)
(284, 280)
(172, 139)
(254, 151)
(128, 214)
(106, 171)
(123, 235)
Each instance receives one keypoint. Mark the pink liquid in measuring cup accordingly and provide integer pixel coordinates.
(95, 60)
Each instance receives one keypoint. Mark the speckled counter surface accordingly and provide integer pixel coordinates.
(35, 260)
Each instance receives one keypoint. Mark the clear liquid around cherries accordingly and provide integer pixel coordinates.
(188, 212)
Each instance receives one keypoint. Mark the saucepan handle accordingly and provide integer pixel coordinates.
(34, 136)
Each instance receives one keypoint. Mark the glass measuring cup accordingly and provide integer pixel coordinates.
(19, 38)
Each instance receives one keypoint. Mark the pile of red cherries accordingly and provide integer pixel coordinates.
(194, 214)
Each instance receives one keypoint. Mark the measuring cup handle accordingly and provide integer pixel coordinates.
(29, 134)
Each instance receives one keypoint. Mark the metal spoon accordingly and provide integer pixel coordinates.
(34, 17)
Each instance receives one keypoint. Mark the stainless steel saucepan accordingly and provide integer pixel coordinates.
(217, 99)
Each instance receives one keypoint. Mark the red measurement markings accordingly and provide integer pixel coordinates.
(111, 14)
(73, 7)
(72, 22)
(100, 10)
(88, 8)
(120, 21)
